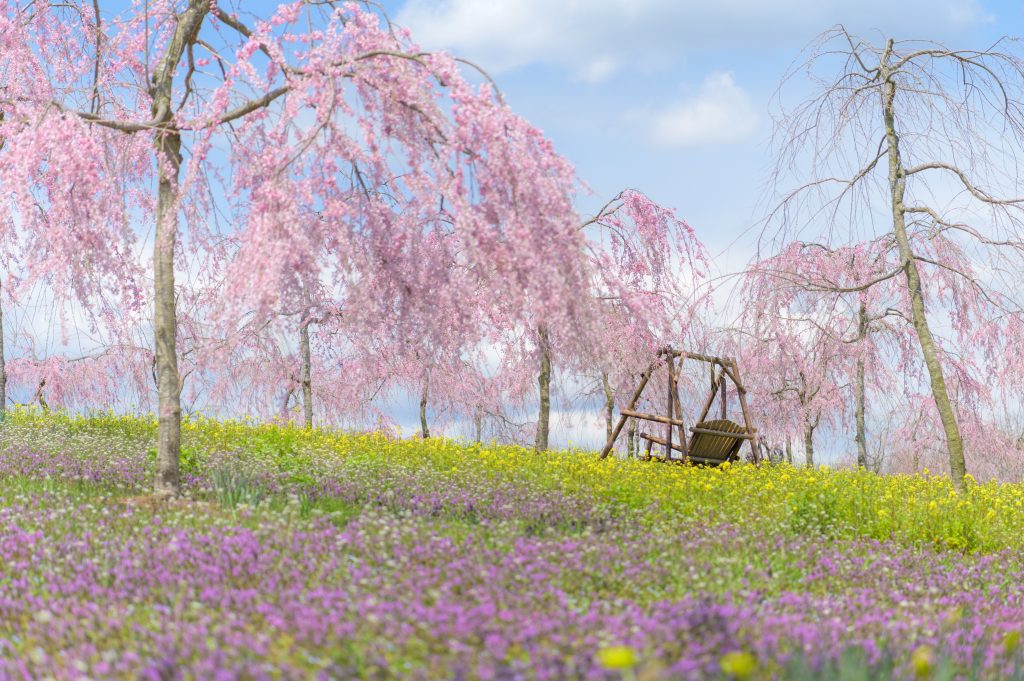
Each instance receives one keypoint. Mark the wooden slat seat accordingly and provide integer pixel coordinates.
(717, 441)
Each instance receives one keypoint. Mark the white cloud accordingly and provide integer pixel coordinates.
(721, 112)
(593, 38)
(599, 69)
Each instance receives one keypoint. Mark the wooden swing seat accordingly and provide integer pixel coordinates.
(713, 442)
(710, 442)
(717, 441)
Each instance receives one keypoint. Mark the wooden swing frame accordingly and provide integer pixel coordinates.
(721, 434)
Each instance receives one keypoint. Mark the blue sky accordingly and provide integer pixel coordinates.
(672, 96)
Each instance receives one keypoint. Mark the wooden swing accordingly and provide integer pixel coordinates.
(712, 442)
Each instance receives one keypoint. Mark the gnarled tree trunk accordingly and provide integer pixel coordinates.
(167, 146)
(897, 189)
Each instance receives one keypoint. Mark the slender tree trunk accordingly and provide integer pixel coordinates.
(631, 445)
(284, 405)
(424, 396)
(3, 358)
(3, 365)
(167, 146)
(789, 449)
(544, 386)
(859, 394)
(609, 406)
(809, 444)
(897, 187)
(306, 373)
(478, 422)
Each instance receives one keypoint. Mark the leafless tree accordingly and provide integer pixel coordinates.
(918, 144)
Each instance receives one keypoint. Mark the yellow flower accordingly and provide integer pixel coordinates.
(616, 657)
(739, 665)
(1011, 642)
(922, 661)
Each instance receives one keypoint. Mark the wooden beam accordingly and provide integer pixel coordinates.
(755, 444)
(734, 374)
(702, 358)
(725, 398)
(671, 361)
(646, 376)
(651, 417)
(654, 439)
(679, 411)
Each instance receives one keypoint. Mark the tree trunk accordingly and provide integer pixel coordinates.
(609, 406)
(631, 445)
(284, 405)
(424, 395)
(809, 444)
(40, 395)
(859, 394)
(789, 449)
(478, 422)
(167, 147)
(306, 373)
(3, 365)
(544, 386)
(3, 358)
(897, 187)
(165, 320)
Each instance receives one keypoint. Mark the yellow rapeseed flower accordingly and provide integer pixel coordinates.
(616, 657)
(923, 662)
(738, 664)
(1011, 642)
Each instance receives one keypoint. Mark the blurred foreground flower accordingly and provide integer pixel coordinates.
(922, 661)
(738, 664)
(616, 657)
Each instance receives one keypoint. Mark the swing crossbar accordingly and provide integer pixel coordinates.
(650, 417)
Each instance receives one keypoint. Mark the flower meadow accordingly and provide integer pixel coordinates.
(314, 554)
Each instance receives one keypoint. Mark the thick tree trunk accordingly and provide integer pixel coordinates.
(167, 146)
(306, 373)
(165, 320)
(897, 187)
(424, 396)
(609, 406)
(809, 445)
(859, 394)
(631, 438)
(544, 386)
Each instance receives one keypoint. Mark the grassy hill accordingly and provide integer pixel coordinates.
(326, 555)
